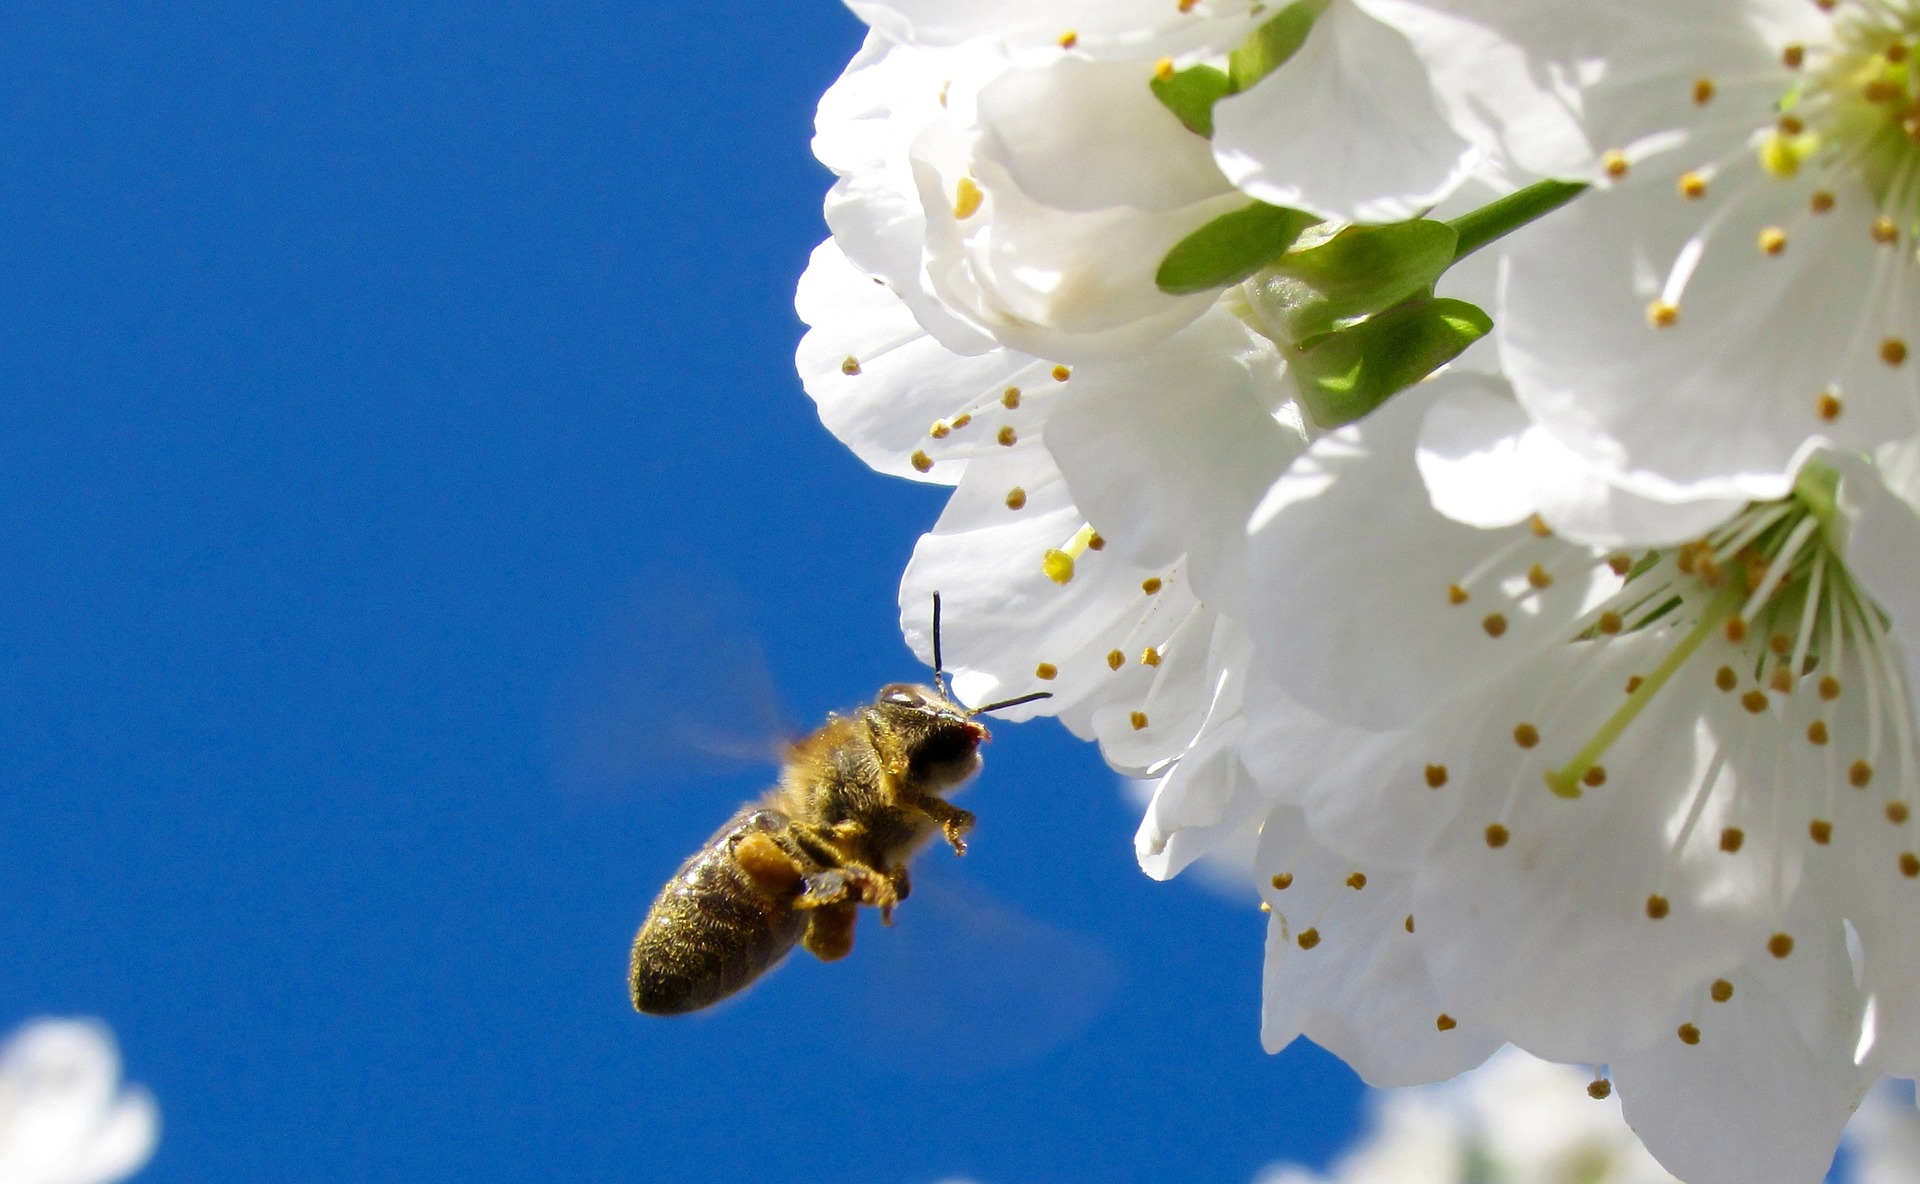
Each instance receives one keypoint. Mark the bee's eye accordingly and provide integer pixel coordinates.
(902, 694)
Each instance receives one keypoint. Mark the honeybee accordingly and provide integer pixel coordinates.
(856, 800)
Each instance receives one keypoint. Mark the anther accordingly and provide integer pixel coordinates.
(1884, 231)
(962, 420)
(1115, 659)
(1792, 56)
(1436, 776)
(1634, 683)
(1826, 405)
(1657, 907)
(1702, 91)
(1725, 678)
(1283, 881)
(1600, 1089)
(1721, 990)
(1138, 719)
(1820, 831)
(1691, 186)
(1614, 163)
(1754, 701)
(1150, 656)
(1821, 201)
(1445, 1022)
(1539, 527)
(850, 366)
(1061, 373)
(1732, 839)
(1689, 1034)
(967, 198)
(1611, 622)
(1456, 594)
(1539, 577)
(1780, 945)
(1016, 498)
(1007, 437)
(1895, 53)
(1409, 923)
(1187, 5)
(920, 461)
(1497, 836)
(1860, 774)
(940, 430)
(1494, 623)
(1595, 777)
(1265, 907)
(1010, 398)
(1095, 542)
(1897, 813)
(1879, 90)
(1773, 241)
(1893, 351)
(1790, 125)
(1151, 585)
(1909, 864)
(1620, 564)
(1357, 881)
(1829, 687)
(1736, 630)
(1163, 69)
(1817, 732)
(1046, 671)
(1069, 39)
(1308, 938)
(1781, 679)
(1526, 735)
(1780, 643)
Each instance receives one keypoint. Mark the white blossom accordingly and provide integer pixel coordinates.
(64, 1116)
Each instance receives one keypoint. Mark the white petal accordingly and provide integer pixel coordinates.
(1348, 127)
(1131, 28)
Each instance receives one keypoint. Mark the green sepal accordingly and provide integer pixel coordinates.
(1273, 43)
(1230, 248)
(1191, 93)
(1347, 373)
(1356, 273)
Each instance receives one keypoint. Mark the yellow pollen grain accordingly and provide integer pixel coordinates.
(1595, 777)
(967, 197)
(1539, 577)
(1817, 732)
(1611, 622)
(1792, 56)
(1494, 623)
(1634, 684)
(1725, 678)
(1308, 938)
(1732, 839)
(1736, 630)
(1619, 564)
(1456, 594)
(1860, 774)
(1016, 498)
(1497, 836)
(1539, 527)
(1526, 735)
(1139, 720)
(1163, 69)
(1445, 1022)
(1688, 1034)
(850, 365)
(1773, 241)
(1069, 39)
(1657, 907)
(1151, 585)
(1115, 659)
(961, 421)
(1821, 201)
(1702, 91)
(1820, 831)
(1781, 679)
(1909, 864)
(1283, 881)
(1614, 163)
(1780, 945)
(1600, 1089)
(1897, 813)
(1409, 923)
(1095, 542)
(920, 461)
(1010, 398)
(1721, 990)
(1436, 776)
(1754, 701)
(1662, 315)
(1893, 351)
(1061, 373)
(1357, 881)
(1006, 436)
(1827, 406)
(1691, 186)
(1046, 671)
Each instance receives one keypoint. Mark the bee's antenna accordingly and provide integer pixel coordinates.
(1013, 702)
(939, 667)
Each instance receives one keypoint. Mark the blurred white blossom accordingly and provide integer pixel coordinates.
(65, 1117)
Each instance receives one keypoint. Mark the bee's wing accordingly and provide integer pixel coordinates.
(968, 982)
(671, 686)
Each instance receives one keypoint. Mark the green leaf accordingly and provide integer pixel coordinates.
(1358, 272)
(1273, 43)
(1230, 248)
(1191, 94)
(1347, 373)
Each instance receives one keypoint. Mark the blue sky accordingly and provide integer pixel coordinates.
(375, 373)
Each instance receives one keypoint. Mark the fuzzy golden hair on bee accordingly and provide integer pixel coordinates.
(855, 801)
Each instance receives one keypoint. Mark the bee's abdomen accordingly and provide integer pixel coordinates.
(712, 931)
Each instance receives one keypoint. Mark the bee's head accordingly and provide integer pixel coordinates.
(939, 738)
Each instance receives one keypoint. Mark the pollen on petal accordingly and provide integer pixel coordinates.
(1657, 907)
(1283, 881)
(1495, 624)
(1526, 735)
(1688, 1034)
(1497, 836)
(1308, 938)
(1445, 1022)
(1780, 945)
(1721, 991)
(1436, 776)
(1820, 831)
(1732, 839)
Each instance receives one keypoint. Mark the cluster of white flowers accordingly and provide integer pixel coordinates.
(64, 1116)
(1466, 450)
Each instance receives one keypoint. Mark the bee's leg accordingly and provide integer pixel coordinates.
(902, 884)
(829, 935)
(841, 875)
(768, 865)
(954, 821)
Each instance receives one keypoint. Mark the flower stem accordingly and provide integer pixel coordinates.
(1565, 781)
(1499, 218)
